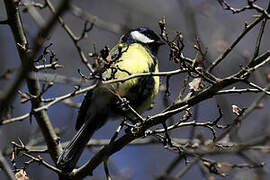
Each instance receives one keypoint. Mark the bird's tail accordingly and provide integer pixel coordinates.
(72, 152)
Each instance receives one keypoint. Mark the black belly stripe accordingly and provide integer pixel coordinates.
(143, 89)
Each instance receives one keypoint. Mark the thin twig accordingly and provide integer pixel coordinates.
(6, 168)
(186, 168)
(72, 36)
(234, 43)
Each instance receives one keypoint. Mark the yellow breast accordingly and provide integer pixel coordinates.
(135, 59)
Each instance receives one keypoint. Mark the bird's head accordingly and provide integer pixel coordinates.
(144, 36)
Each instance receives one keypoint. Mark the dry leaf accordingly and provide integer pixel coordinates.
(196, 84)
(21, 175)
(238, 111)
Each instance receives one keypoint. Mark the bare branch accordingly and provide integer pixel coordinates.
(27, 60)
(234, 43)
(5, 166)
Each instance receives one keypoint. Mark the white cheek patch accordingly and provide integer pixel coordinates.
(140, 37)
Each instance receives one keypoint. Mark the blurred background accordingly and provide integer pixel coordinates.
(202, 19)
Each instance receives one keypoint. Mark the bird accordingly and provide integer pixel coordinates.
(136, 52)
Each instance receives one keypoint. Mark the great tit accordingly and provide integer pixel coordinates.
(137, 54)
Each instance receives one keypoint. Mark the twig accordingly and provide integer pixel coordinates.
(259, 39)
(234, 43)
(117, 131)
(250, 5)
(207, 124)
(40, 160)
(6, 168)
(53, 65)
(186, 168)
(100, 23)
(78, 81)
(106, 169)
(15, 119)
(243, 115)
(26, 57)
(30, 7)
(61, 98)
(173, 164)
(72, 36)
(244, 90)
